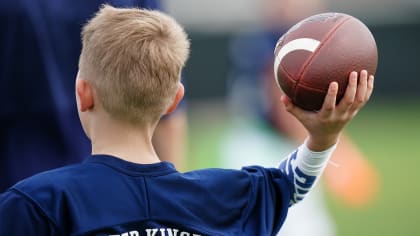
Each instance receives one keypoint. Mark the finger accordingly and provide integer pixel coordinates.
(348, 98)
(287, 103)
(359, 99)
(365, 84)
(330, 100)
(369, 87)
(362, 87)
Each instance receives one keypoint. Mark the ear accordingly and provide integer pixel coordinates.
(84, 94)
(178, 97)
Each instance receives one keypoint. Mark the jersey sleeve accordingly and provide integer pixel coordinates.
(20, 216)
(274, 190)
(268, 200)
(303, 168)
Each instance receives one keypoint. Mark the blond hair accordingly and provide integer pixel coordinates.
(133, 58)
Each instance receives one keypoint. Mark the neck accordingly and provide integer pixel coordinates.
(126, 141)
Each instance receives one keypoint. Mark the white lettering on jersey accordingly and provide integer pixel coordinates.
(151, 232)
(131, 233)
(157, 232)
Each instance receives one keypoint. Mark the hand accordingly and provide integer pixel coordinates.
(324, 126)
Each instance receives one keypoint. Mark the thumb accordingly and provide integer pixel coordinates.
(288, 104)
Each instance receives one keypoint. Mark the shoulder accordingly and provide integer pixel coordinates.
(249, 179)
(52, 179)
(217, 175)
(31, 219)
(37, 202)
(261, 194)
(49, 191)
(247, 173)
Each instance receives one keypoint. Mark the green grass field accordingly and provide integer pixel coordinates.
(388, 132)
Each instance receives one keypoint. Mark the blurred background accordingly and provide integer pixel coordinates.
(386, 131)
(232, 47)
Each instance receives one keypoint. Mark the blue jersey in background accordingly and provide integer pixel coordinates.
(39, 50)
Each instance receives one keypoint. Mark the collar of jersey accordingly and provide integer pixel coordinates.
(154, 169)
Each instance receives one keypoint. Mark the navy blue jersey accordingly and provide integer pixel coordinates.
(39, 51)
(109, 196)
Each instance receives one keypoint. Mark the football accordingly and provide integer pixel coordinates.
(319, 50)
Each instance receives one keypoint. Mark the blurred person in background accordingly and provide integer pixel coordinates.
(262, 127)
(40, 46)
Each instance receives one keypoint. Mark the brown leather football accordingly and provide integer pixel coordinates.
(321, 49)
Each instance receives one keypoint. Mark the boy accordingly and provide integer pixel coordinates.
(129, 76)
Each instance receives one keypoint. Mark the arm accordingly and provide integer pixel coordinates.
(353, 179)
(302, 168)
(324, 128)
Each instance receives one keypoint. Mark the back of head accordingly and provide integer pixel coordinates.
(133, 58)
